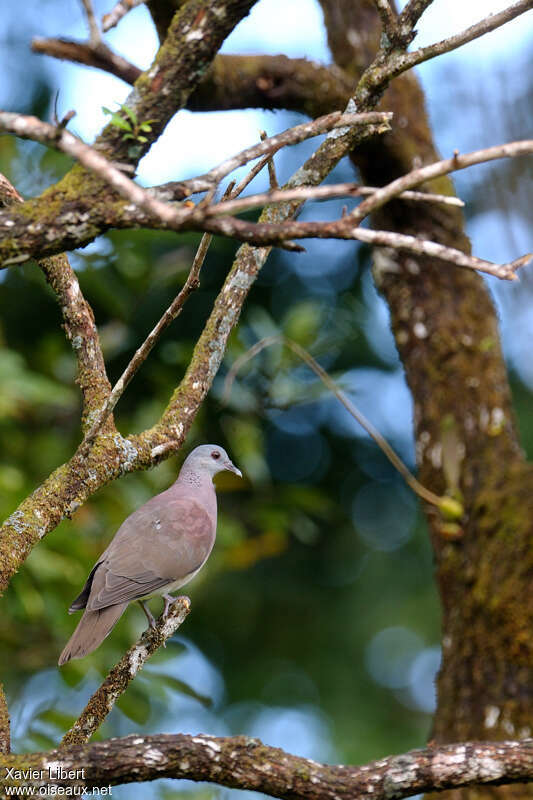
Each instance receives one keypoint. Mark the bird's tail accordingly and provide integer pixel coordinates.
(92, 629)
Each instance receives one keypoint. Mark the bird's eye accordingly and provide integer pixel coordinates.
(215, 454)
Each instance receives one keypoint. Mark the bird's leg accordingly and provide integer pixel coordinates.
(168, 602)
(149, 615)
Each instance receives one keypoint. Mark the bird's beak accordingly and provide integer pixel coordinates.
(233, 468)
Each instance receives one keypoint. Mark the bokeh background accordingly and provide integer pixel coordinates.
(315, 624)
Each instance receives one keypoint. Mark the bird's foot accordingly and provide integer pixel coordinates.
(169, 600)
(149, 616)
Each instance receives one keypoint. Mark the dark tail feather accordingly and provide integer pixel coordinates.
(92, 629)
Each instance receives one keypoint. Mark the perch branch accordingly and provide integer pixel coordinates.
(241, 762)
(122, 674)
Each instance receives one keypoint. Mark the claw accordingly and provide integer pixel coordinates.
(149, 616)
(169, 600)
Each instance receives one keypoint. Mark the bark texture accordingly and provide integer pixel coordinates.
(243, 762)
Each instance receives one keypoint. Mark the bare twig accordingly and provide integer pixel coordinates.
(140, 356)
(424, 247)
(327, 380)
(295, 135)
(272, 179)
(32, 128)
(173, 311)
(492, 22)
(94, 30)
(435, 170)
(122, 674)
(97, 55)
(256, 169)
(327, 192)
(120, 10)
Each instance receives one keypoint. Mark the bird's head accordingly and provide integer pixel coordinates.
(210, 458)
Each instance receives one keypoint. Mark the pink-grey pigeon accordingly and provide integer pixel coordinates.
(158, 549)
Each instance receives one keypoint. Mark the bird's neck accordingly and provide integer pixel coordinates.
(198, 485)
(196, 480)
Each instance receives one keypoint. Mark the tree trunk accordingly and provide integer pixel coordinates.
(446, 333)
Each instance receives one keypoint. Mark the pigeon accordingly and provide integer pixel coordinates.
(158, 549)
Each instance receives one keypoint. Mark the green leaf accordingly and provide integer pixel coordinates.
(117, 120)
(176, 685)
(131, 114)
(135, 706)
(58, 719)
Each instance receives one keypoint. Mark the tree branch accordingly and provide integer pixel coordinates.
(32, 128)
(332, 190)
(244, 763)
(94, 30)
(122, 674)
(173, 311)
(120, 10)
(437, 169)
(98, 55)
(398, 63)
(40, 237)
(388, 18)
(233, 81)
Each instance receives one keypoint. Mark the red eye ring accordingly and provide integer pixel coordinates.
(215, 454)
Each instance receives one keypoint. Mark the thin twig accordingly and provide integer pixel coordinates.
(425, 247)
(120, 10)
(94, 30)
(484, 26)
(122, 674)
(256, 169)
(173, 311)
(295, 135)
(416, 486)
(327, 192)
(411, 14)
(32, 128)
(438, 168)
(141, 354)
(272, 179)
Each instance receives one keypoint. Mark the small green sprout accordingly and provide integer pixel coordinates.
(126, 119)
